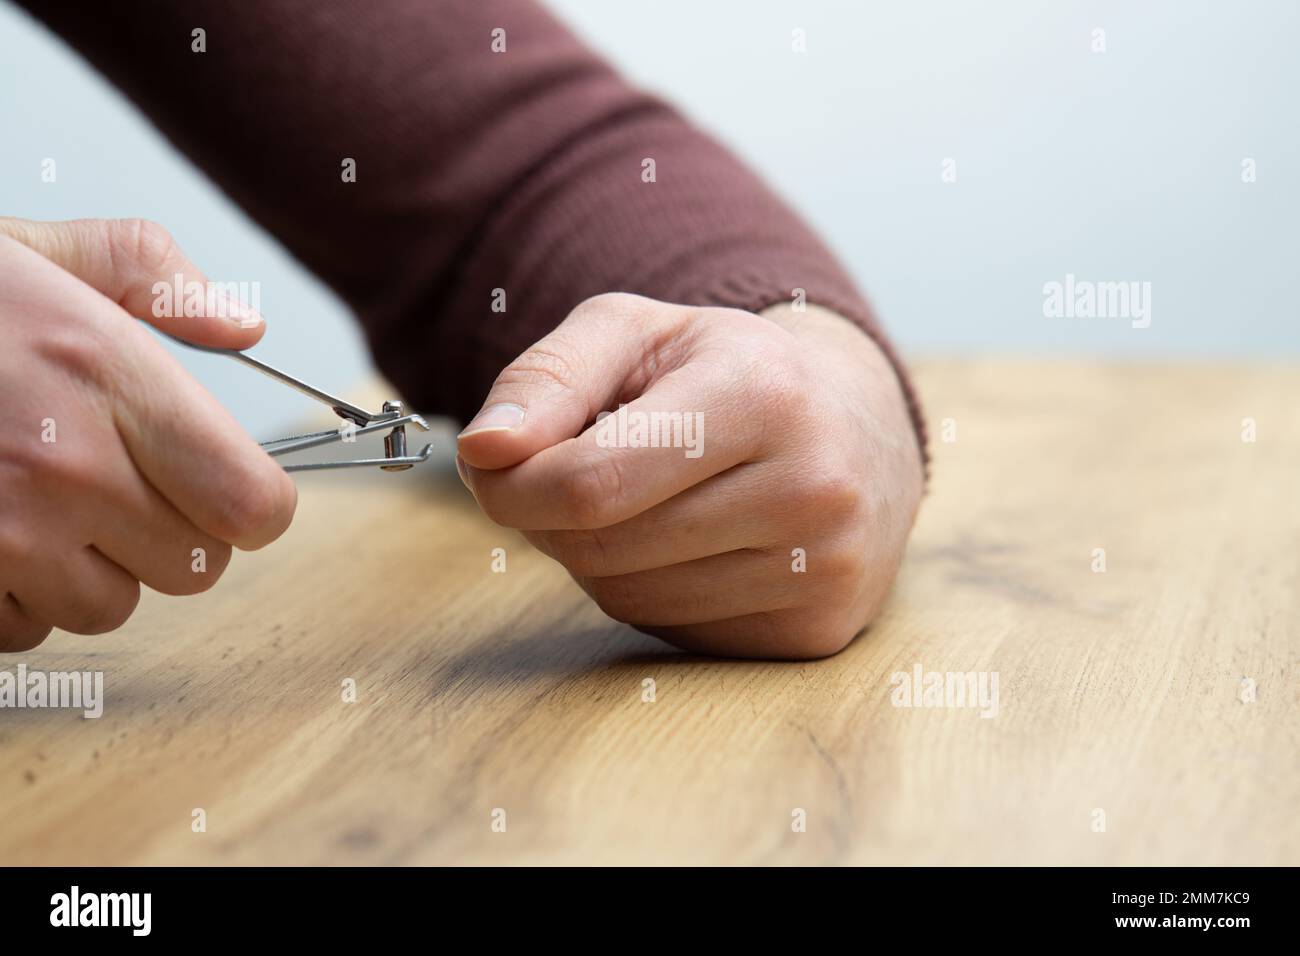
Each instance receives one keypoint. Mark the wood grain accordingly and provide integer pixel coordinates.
(1118, 691)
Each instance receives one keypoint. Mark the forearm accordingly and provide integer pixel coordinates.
(522, 171)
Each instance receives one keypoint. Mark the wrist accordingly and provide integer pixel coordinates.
(857, 365)
(823, 328)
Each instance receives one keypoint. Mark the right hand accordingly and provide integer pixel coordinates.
(116, 467)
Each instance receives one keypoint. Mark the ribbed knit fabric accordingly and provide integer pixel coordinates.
(475, 171)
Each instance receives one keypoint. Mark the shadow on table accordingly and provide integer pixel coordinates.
(559, 653)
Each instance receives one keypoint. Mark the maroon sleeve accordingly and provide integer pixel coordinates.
(476, 170)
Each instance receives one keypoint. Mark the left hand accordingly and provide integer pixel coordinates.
(797, 441)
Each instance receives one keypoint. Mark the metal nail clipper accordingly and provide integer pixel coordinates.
(356, 421)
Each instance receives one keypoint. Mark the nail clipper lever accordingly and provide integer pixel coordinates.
(356, 421)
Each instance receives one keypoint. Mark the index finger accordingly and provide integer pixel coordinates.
(630, 460)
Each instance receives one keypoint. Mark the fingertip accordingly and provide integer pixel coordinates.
(245, 337)
(249, 325)
(224, 323)
(492, 448)
(260, 512)
(495, 438)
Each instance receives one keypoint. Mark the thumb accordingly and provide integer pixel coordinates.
(605, 350)
(138, 265)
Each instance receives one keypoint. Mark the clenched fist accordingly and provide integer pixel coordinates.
(751, 492)
(116, 467)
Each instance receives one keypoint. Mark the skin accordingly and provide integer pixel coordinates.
(145, 466)
(808, 445)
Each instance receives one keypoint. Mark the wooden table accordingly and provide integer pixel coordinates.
(1119, 691)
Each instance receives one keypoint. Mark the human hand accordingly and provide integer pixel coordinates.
(806, 448)
(116, 467)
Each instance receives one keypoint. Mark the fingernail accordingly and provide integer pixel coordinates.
(495, 418)
(233, 310)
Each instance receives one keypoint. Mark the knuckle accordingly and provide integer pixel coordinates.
(799, 402)
(591, 494)
(607, 305)
(816, 634)
(790, 395)
(19, 544)
(191, 581)
(618, 598)
(834, 494)
(758, 351)
(575, 498)
(547, 364)
(584, 552)
(23, 474)
(258, 507)
(102, 616)
(841, 567)
(775, 378)
(141, 241)
(80, 349)
(71, 470)
(18, 631)
(119, 611)
(842, 493)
